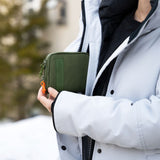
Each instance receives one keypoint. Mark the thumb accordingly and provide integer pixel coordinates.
(53, 92)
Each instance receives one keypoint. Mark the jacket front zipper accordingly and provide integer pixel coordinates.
(87, 142)
(84, 25)
(91, 143)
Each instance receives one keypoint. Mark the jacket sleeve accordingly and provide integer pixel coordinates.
(109, 120)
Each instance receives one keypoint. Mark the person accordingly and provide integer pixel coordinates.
(118, 117)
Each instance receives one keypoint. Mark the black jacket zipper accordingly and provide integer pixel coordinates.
(84, 25)
(87, 148)
(87, 142)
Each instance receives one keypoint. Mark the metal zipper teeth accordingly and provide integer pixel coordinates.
(91, 144)
(89, 148)
(41, 73)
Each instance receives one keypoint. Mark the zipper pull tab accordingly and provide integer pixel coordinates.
(43, 87)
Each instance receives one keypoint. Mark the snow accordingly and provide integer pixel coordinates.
(29, 139)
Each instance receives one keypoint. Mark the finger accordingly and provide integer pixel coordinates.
(43, 100)
(40, 93)
(51, 97)
(53, 92)
(46, 103)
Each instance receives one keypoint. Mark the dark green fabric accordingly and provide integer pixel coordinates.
(66, 71)
(59, 66)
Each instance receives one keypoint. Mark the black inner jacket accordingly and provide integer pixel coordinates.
(112, 13)
(125, 28)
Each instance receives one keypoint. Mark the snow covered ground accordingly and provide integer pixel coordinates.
(29, 139)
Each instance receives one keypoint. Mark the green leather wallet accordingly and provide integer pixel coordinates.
(65, 71)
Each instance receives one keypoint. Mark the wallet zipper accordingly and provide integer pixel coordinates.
(42, 66)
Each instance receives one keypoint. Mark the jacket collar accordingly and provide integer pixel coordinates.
(151, 22)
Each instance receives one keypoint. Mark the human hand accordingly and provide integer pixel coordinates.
(47, 102)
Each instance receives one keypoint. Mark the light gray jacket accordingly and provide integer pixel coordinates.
(125, 125)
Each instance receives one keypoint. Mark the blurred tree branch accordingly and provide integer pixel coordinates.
(21, 51)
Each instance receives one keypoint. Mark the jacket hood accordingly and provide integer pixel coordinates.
(113, 11)
(153, 19)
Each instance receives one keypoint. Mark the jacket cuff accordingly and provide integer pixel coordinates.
(52, 110)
